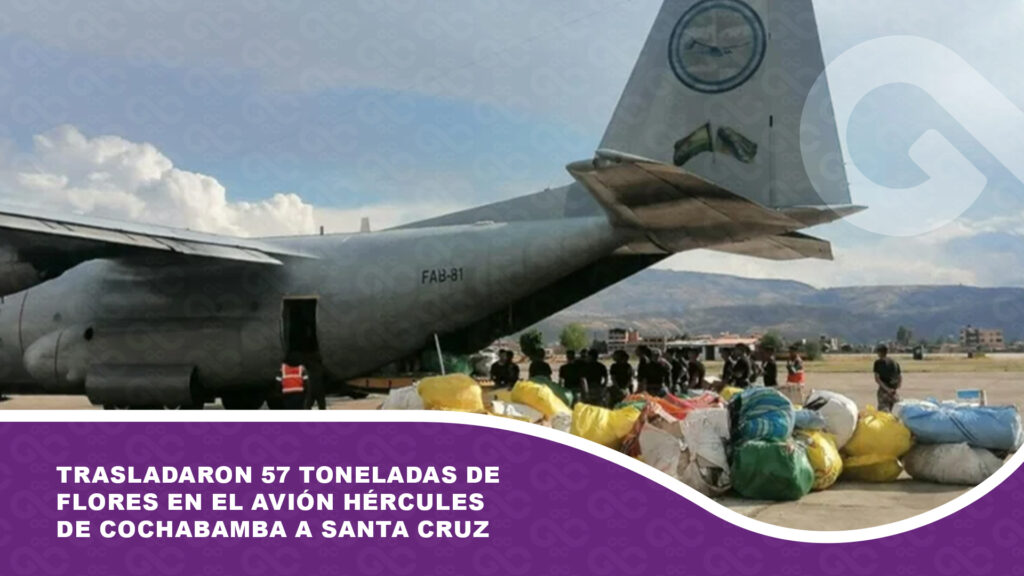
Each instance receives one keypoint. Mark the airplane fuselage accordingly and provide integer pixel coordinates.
(379, 297)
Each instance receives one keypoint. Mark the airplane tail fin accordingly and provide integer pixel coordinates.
(719, 90)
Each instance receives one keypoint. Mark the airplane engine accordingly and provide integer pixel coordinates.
(17, 276)
(142, 366)
(142, 386)
(57, 361)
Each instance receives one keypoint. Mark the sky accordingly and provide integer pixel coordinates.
(278, 116)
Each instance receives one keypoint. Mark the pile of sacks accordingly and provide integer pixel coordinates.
(757, 442)
(958, 444)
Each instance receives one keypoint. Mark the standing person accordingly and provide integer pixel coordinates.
(728, 363)
(316, 392)
(622, 374)
(643, 356)
(656, 375)
(596, 375)
(569, 375)
(504, 372)
(539, 368)
(795, 367)
(889, 377)
(769, 367)
(742, 370)
(293, 379)
(678, 371)
(695, 370)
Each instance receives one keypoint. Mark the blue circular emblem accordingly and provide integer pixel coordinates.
(717, 45)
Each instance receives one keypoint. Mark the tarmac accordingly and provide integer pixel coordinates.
(845, 506)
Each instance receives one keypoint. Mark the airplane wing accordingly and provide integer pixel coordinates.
(35, 246)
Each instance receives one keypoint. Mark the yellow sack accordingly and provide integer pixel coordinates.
(452, 392)
(503, 395)
(538, 397)
(879, 434)
(824, 457)
(604, 426)
(728, 392)
(871, 468)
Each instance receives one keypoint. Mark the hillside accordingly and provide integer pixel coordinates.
(661, 301)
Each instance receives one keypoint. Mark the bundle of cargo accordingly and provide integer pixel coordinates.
(515, 411)
(705, 466)
(805, 419)
(823, 455)
(661, 450)
(456, 392)
(603, 426)
(872, 454)
(545, 400)
(991, 427)
(772, 470)
(564, 394)
(692, 450)
(761, 414)
(951, 463)
(956, 442)
(838, 412)
(674, 406)
(407, 398)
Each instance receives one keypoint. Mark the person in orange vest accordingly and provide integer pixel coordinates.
(293, 380)
(795, 367)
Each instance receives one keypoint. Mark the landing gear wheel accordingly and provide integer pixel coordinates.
(243, 401)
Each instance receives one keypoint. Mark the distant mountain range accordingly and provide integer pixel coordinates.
(668, 302)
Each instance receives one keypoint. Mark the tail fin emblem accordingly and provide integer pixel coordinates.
(717, 45)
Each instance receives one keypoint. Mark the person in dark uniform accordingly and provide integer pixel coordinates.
(316, 392)
(889, 377)
(622, 375)
(596, 376)
(539, 368)
(504, 372)
(769, 367)
(569, 376)
(656, 375)
(728, 363)
(675, 358)
(742, 370)
(695, 370)
(643, 356)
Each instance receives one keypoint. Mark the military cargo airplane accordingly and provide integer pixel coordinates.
(709, 148)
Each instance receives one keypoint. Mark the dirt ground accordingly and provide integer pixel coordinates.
(845, 506)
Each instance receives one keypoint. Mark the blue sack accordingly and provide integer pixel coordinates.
(765, 414)
(809, 420)
(991, 427)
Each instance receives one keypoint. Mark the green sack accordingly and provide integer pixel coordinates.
(771, 470)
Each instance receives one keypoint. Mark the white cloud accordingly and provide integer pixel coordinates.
(111, 177)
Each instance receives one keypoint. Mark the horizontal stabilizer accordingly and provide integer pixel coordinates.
(792, 246)
(678, 210)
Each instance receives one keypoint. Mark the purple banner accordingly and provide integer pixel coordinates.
(547, 509)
